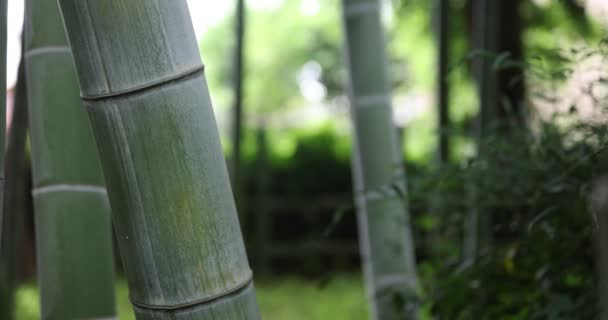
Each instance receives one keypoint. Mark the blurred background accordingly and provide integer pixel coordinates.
(540, 180)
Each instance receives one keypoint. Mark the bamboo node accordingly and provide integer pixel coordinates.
(395, 189)
(148, 86)
(69, 188)
(229, 292)
(374, 100)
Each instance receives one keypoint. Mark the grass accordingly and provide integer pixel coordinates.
(283, 298)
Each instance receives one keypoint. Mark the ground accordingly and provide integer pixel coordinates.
(280, 299)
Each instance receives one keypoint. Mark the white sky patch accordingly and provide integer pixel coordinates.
(206, 14)
(310, 7)
(265, 4)
(598, 9)
(13, 39)
(309, 81)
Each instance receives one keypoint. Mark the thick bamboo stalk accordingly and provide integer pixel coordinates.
(15, 195)
(174, 214)
(385, 236)
(72, 213)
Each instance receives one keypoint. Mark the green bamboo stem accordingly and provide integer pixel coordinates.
(442, 87)
(15, 195)
(3, 13)
(174, 214)
(263, 221)
(599, 207)
(386, 242)
(237, 122)
(477, 228)
(72, 213)
(6, 281)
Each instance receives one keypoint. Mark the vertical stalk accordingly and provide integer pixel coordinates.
(263, 230)
(6, 259)
(72, 213)
(173, 210)
(3, 13)
(598, 203)
(477, 228)
(237, 122)
(440, 19)
(15, 195)
(386, 242)
(442, 87)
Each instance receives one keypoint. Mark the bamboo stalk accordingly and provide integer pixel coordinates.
(3, 13)
(442, 93)
(237, 123)
(477, 224)
(598, 202)
(15, 195)
(386, 242)
(72, 213)
(174, 214)
(263, 221)
(7, 259)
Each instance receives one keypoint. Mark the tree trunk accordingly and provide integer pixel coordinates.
(174, 214)
(385, 236)
(72, 213)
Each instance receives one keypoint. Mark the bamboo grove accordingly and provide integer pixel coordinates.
(126, 156)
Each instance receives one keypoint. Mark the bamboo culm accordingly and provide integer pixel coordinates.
(15, 198)
(173, 210)
(3, 27)
(237, 122)
(3, 20)
(6, 288)
(385, 235)
(477, 225)
(72, 213)
(598, 202)
(443, 116)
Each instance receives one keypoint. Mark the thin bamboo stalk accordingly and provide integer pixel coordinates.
(598, 203)
(72, 213)
(237, 122)
(6, 288)
(477, 227)
(442, 87)
(385, 235)
(263, 221)
(174, 214)
(15, 195)
(3, 13)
